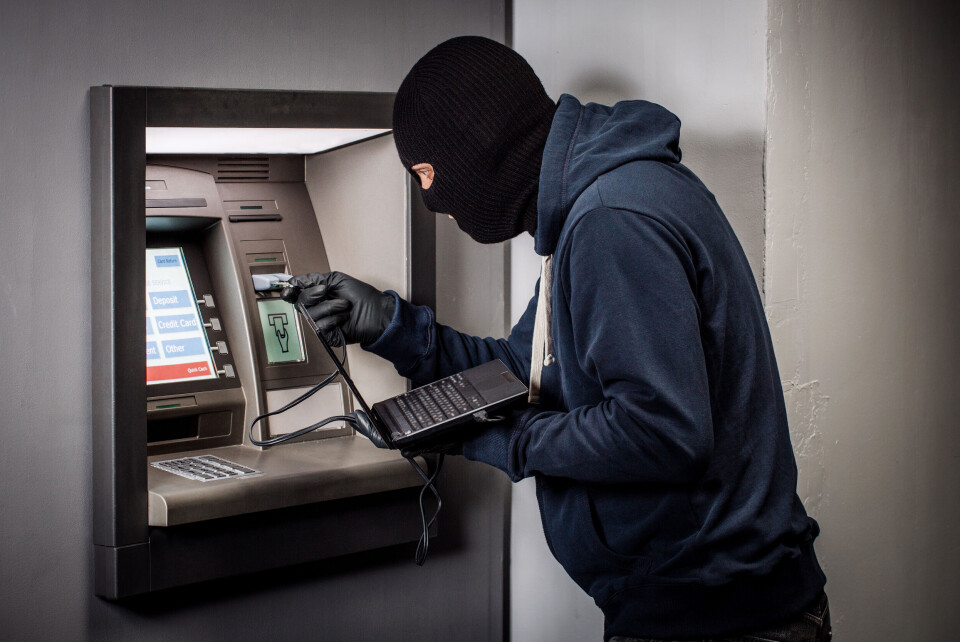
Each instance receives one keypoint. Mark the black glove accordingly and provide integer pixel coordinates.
(334, 300)
(450, 442)
(490, 444)
(367, 429)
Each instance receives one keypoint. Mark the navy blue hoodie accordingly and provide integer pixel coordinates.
(665, 473)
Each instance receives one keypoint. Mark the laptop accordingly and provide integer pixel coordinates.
(426, 415)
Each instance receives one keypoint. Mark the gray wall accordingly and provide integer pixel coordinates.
(860, 282)
(703, 60)
(50, 53)
(863, 226)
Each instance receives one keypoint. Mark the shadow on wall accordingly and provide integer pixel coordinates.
(731, 166)
(261, 585)
(603, 86)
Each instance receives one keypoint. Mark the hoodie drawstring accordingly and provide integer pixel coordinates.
(542, 354)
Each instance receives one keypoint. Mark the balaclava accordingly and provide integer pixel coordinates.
(476, 111)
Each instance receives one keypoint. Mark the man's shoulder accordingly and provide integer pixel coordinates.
(647, 188)
(599, 228)
(650, 187)
(667, 195)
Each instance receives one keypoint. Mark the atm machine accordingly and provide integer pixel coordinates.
(180, 493)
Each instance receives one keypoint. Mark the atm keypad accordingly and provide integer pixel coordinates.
(204, 468)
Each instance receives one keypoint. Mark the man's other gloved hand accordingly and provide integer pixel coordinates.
(367, 429)
(335, 299)
(449, 442)
(493, 442)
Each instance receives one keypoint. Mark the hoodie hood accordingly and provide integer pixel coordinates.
(587, 141)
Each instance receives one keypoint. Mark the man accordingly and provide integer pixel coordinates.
(658, 436)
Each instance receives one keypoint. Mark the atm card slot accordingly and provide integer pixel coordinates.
(266, 262)
(254, 218)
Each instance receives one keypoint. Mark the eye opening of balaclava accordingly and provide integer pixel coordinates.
(475, 110)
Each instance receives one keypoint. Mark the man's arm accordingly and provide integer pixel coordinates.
(423, 350)
(345, 308)
(629, 286)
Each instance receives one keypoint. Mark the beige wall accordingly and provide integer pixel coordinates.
(863, 228)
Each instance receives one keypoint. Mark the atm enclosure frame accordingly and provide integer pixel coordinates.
(130, 556)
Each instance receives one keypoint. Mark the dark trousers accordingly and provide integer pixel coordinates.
(811, 625)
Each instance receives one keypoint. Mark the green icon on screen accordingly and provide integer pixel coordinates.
(281, 334)
(279, 322)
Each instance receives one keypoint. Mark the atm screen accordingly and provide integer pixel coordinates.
(177, 346)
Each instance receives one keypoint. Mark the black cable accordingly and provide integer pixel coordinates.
(423, 545)
(279, 439)
(339, 364)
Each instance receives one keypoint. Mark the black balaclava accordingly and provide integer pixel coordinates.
(476, 111)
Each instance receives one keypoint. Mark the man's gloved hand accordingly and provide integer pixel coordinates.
(476, 435)
(335, 299)
(493, 443)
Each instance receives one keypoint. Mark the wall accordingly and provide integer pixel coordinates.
(863, 227)
(860, 282)
(51, 53)
(705, 62)
(351, 190)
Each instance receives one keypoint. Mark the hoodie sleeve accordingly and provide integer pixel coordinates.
(629, 286)
(423, 350)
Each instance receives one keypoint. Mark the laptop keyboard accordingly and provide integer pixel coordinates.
(435, 403)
